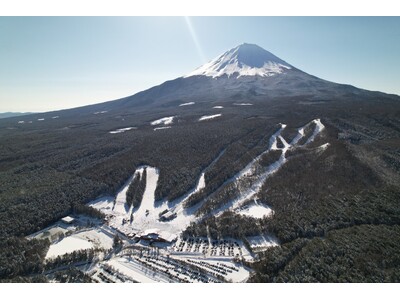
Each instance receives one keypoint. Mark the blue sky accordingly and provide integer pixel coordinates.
(50, 63)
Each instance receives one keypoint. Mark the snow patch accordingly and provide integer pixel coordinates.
(262, 242)
(100, 112)
(164, 121)
(121, 130)
(324, 146)
(55, 117)
(242, 104)
(42, 119)
(21, 122)
(162, 127)
(256, 210)
(209, 117)
(187, 103)
(218, 106)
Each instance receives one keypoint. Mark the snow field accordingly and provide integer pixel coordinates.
(301, 132)
(121, 130)
(318, 128)
(163, 121)
(93, 238)
(186, 104)
(203, 118)
(256, 210)
(234, 62)
(242, 104)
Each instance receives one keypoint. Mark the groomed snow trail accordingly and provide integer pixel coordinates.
(148, 200)
(248, 181)
(318, 128)
(250, 171)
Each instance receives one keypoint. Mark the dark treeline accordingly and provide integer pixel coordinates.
(88, 211)
(49, 172)
(337, 219)
(322, 190)
(229, 224)
(20, 257)
(364, 253)
(72, 275)
(47, 168)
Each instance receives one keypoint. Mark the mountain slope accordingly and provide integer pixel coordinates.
(212, 139)
(13, 114)
(243, 60)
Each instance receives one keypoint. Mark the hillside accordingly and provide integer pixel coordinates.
(245, 147)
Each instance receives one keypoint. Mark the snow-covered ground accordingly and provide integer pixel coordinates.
(161, 128)
(187, 103)
(203, 118)
(201, 252)
(318, 128)
(261, 242)
(52, 232)
(163, 121)
(146, 216)
(243, 104)
(68, 245)
(297, 138)
(324, 146)
(92, 238)
(249, 192)
(121, 130)
(256, 210)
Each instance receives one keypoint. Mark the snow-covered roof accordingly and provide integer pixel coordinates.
(167, 236)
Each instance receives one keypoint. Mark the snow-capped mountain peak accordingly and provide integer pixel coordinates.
(243, 60)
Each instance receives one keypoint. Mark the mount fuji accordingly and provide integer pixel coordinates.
(243, 60)
(302, 174)
(241, 73)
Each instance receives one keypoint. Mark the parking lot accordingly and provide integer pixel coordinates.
(224, 247)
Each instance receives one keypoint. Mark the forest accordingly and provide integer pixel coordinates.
(47, 171)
